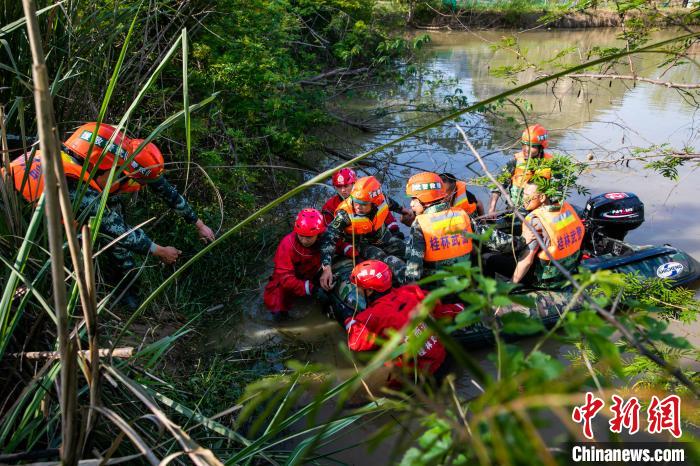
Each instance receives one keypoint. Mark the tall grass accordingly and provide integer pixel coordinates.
(119, 399)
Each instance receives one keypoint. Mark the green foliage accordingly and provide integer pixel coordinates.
(657, 295)
(435, 446)
(671, 159)
(564, 175)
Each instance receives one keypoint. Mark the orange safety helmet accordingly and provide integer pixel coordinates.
(367, 189)
(371, 275)
(148, 165)
(427, 187)
(535, 135)
(79, 144)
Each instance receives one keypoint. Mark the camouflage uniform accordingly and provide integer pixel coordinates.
(499, 241)
(379, 245)
(545, 274)
(507, 181)
(114, 226)
(173, 199)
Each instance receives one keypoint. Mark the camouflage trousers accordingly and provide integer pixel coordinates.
(389, 250)
(391, 253)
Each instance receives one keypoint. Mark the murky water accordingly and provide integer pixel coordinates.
(598, 120)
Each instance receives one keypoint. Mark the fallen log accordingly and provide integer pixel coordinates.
(122, 353)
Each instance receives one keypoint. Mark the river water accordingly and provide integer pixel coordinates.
(600, 121)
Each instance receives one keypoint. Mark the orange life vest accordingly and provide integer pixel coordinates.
(128, 185)
(460, 200)
(522, 175)
(445, 234)
(31, 186)
(565, 230)
(361, 224)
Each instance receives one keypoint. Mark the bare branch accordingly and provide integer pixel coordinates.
(629, 77)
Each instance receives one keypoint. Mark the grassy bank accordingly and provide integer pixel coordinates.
(264, 71)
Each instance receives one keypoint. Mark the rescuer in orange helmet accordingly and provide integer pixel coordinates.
(440, 234)
(523, 167)
(147, 167)
(27, 174)
(343, 181)
(360, 221)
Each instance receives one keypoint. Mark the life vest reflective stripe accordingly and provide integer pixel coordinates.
(461, 201)
(32, 188)
(361, 224)
(565, 230)
(445, 234)
(128, 185)
(522, 174)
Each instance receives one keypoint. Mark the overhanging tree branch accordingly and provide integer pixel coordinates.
(629, 77)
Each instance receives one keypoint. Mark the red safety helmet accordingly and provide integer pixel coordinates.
(371, 275)
(79, 144)
(535, 135)
(344, 177)
(309, 222)
(367, 189)
(148, 165)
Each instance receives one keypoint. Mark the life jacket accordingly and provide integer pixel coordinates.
(565, 230)
(522, 174)
(128, 185)
(361, 224)
(445, 234)
(31, 186)
(461, 201)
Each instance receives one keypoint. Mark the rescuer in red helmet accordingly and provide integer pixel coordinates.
(296, 264)
(392, 309)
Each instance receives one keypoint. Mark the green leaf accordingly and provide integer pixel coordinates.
(523, 300)
(520, 324)
(501, 301)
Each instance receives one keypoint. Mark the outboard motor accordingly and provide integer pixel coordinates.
(610, 216)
